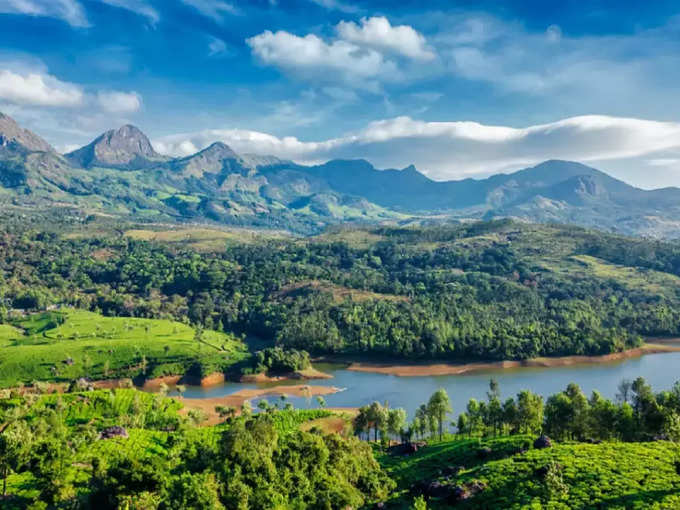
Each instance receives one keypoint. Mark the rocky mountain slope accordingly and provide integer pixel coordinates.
(120, 172)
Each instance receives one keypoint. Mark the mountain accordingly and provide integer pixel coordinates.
(126, 148)
(120, 173)
(15, 138)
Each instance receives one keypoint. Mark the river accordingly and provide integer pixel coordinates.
(360, 388)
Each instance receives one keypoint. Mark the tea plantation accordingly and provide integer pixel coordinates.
(514, 475)
(67, 344)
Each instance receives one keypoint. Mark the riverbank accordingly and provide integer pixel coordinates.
(306, 374)
(441, 369)
(236, 400)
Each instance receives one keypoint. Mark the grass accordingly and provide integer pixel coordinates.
(201, 239)
(607, 475)
(68, 344)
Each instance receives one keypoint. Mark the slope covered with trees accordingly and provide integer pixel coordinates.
(497, 290)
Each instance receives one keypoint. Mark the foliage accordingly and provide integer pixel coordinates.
(495, 290)
(277, 360)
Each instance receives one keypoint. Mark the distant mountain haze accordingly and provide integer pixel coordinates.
(120, 172)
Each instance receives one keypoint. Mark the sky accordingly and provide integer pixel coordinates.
(460, 89)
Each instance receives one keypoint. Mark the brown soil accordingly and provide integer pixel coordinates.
(436, 369)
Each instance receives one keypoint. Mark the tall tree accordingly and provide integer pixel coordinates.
(438, 407)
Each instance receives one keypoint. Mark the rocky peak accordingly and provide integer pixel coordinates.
(14, 136)
(126, 147)
(217, 152)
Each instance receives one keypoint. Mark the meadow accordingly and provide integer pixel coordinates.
(67, 344)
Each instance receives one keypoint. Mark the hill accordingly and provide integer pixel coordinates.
(499, 290)
(65, 345)
(510, 476)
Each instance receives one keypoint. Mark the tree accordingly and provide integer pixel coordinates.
(321, 401)
(438, 407)
(529, 412)
(463, 424)
(396, 421)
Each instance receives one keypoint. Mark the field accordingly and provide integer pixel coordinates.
(607, 475)
(67, 344)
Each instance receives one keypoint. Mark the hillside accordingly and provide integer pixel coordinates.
(510, 476)
(120, 173)
(65, 345)
(481, 291)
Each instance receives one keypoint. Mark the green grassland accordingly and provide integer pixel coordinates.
(68, 344)
(608, 475)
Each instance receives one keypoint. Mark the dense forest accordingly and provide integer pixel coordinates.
(495, 290)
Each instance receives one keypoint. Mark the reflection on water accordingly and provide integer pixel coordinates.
(660, 370)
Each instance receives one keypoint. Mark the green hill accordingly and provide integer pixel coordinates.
(565, 476)
(67, 344)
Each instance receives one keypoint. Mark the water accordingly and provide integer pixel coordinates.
(360, 388)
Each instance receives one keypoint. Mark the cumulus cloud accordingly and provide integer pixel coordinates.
(212, 8)
(69, 11)
(451, 150)
(140, 7)
(119, 102)
(38, 89)
(312, 57)
(379, 33)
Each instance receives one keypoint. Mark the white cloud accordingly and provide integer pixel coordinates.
(214, 9)
(312, 57)
(378, 33)
(67, 10)
(140, 7)
(37, 88)
(119, 102)
(217, 47)
(336, 5)
(451, 150)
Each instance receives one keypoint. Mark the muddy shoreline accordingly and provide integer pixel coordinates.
(439, 369)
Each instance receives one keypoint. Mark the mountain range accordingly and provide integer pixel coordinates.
(120, 173)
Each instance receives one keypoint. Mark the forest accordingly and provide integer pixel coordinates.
(494, 290)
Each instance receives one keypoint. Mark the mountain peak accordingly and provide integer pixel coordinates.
(218, 149)
(13, 135)
(126, 148)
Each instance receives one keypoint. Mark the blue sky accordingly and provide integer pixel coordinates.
(458, 88)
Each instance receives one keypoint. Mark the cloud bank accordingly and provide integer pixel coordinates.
(452, 150)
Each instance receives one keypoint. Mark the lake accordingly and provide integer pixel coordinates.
(360, 388)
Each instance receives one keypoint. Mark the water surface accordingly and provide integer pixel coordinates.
(360, 388)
